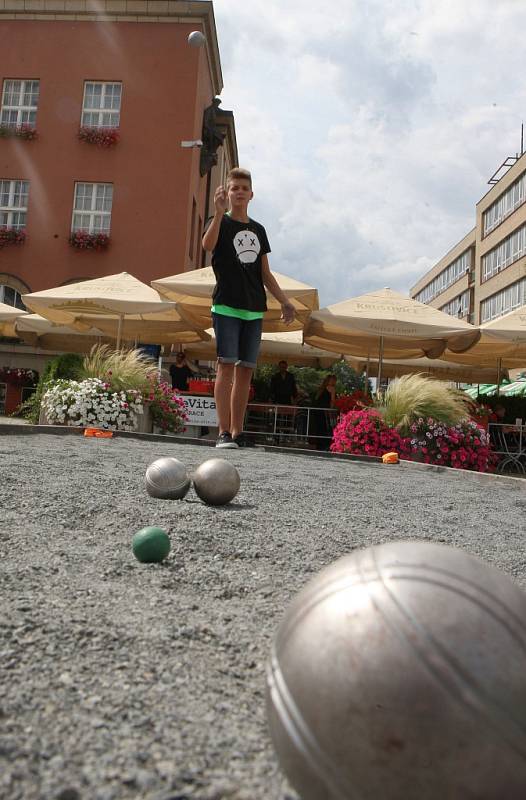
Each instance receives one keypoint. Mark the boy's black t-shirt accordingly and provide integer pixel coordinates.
(236, 260)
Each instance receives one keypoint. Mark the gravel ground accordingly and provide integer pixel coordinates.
(125, 680)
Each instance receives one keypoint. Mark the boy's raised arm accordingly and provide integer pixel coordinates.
(212, 232)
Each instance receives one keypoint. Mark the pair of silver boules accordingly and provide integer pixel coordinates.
(216, 481)
(399, 673)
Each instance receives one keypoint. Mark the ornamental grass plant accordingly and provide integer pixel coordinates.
(414, 397)
(122, 369)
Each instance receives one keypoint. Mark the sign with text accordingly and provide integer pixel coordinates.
(200, 410)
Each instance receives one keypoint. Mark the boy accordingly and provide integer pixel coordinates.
(239, 248)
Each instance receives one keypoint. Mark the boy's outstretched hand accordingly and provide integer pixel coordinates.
(287, 312)
(221, 199)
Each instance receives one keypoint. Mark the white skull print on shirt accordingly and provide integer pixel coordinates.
(247, 246)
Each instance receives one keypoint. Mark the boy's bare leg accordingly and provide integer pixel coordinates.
(240, 392)
(223, 394)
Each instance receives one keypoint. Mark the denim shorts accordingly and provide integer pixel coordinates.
(237, 340)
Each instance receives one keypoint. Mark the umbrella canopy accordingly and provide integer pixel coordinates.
(441, 370)
(274, 347)
(386, 324)
(484, 390)
(192, 291)
(39, 332)
(517, 388)
(502, 338)
(82, 304)
(8, 315)
(167, 327)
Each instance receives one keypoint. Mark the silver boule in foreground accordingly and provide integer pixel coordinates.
(167, 478)
(399, 672)
(216, 481)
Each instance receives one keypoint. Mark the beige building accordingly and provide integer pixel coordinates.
(484, 275)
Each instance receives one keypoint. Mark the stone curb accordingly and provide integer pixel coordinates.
(462, 474)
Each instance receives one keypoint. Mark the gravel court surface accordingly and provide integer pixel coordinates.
(125, 680)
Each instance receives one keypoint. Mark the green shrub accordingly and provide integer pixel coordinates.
(67, 366)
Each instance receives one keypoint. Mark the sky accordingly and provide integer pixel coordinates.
(371, 128)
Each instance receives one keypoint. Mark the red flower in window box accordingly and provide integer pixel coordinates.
(82, 240)
(18, 376)
(103, 137)
(11, 236)
(23, 131)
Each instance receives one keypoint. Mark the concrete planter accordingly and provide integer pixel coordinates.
(144, 421)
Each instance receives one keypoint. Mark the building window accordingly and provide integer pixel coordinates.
(102, 105)
(459, 306)
(19, 103)
(513, 296)
(452, 273)
(507, 252)
(92, 207)
(505, 204)
(13, 203)
(11, 297)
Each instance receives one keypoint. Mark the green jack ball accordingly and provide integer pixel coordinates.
(151, 545)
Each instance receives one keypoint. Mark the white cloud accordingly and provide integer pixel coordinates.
(371, 128)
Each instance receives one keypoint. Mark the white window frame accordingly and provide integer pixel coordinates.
(450, 275)
(509, 298)
(86, 215)
(11, 215)
(458, 306)
(18, 297)
(21, 109)
(507, 252)
(505, 205)
(101, 110)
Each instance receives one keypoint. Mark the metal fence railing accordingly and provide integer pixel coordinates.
(290, 425)
(509, 442)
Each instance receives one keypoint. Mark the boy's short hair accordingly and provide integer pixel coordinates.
(240, 174)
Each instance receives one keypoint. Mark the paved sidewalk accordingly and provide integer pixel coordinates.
(13, 420)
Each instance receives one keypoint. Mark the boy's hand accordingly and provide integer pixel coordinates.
(220, 200)
(287, 312)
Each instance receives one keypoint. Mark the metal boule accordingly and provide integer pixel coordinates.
(216, 481)
(167, 478)
(399, 672)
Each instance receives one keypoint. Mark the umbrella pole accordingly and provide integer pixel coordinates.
(119, 332)
(380, 362)
(367, 365)
(499, 371)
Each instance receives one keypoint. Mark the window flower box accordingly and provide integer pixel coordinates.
(18, 376)
(23, 131)
(82, 240)
(11, 236)
(103, 137)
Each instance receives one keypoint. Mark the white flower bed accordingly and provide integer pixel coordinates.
(91, 403)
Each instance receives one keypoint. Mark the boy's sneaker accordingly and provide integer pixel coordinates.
(225, 441)
(243, 441)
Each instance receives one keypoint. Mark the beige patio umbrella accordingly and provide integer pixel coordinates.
(192, 291)
(39, 332)
(502, 344)
(8, 316)
(165, 328)
(274, 348)
(441, 370)
(387, 324)
(103, 302)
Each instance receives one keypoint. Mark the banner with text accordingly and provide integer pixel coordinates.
(200, 410)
